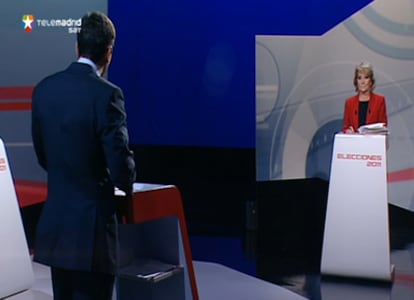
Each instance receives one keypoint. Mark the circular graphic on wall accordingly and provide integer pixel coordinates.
(267, 82)
(312, 103)
(386, 29)
(319, 156)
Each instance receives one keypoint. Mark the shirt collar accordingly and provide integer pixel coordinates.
(84, 60)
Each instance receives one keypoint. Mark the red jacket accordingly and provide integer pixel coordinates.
(377, 112)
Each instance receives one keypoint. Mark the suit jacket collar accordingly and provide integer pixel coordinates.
(372, 100)
(78, 67)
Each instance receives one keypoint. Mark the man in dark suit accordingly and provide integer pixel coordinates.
(80, 137)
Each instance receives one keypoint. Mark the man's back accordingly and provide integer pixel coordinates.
(81, 139)
(78, 121)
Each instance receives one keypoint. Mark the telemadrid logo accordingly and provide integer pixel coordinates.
(72, 25)
(27, 22)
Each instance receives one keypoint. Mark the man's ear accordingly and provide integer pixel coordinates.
(108, 56)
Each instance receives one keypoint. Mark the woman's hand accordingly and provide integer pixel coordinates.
(350, 129)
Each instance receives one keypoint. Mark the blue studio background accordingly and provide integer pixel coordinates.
(187, 67)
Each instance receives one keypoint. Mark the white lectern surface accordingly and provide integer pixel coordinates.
(356, 236)
(16, 272)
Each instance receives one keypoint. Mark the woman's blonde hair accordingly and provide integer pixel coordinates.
(366, 68)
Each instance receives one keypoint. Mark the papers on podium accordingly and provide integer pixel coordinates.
(141, 187)
(376, 128)
(148, 269)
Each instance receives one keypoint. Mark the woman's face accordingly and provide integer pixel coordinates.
(364, 82)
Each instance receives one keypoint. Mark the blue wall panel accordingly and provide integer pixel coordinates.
(188, 67)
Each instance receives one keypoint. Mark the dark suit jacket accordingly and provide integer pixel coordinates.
(80, 137)
(377, 112)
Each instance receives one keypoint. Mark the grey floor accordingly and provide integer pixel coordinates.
(214, 282)
(315, 287)
(218, 282)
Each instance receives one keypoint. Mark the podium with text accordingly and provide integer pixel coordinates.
(356, 236)
(16, 273)
(155, 259)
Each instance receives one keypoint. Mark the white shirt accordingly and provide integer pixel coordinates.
(87, 61)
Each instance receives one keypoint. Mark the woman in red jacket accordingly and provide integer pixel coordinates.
(365, 107)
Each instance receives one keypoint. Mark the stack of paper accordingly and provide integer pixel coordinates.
(149, 269)
(376, 128)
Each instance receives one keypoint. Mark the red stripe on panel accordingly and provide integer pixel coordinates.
(16, 106)
(402, 175)
(10, 93)
(16, 92)
(30, 192)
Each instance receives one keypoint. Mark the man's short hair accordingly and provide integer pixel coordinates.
(96, 35)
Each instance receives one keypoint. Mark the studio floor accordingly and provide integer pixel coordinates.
(291, 260)
(298, 270)
(216, 281)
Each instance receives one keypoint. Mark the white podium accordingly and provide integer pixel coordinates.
(356, 237)
(16, 272)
